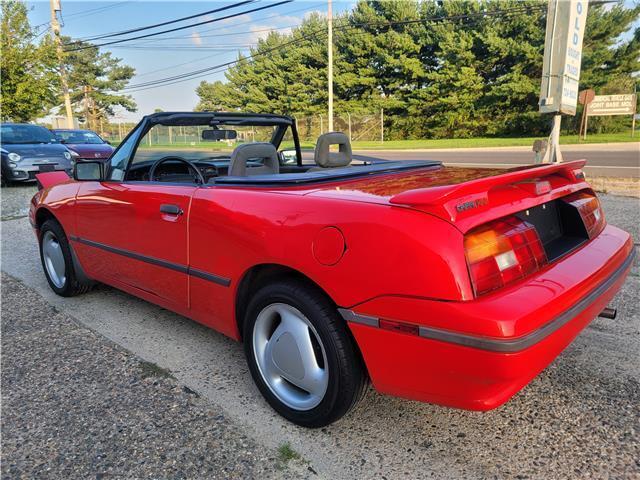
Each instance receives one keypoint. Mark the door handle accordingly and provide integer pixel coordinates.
(171, 209)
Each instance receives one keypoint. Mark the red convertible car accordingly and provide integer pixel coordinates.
(455, 286)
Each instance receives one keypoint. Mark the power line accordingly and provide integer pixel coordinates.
(206, 57)
(225, 66)
(181, 28)
(229, 47)
(223, 28)
(169, 22)
(209, 70)
(84, 13)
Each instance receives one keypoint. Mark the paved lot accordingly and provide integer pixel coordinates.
(579, 419)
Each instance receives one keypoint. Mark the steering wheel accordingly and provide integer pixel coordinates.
(157, 163)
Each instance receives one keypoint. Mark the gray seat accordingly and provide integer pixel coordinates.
(325, 158)
(254, 151)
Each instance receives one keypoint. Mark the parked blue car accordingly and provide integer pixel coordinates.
(29, 149)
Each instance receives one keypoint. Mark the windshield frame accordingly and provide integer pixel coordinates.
(206, 119)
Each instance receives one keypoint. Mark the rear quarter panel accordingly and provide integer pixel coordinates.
(389, 250)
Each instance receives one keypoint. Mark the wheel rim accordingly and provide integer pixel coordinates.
(53, 259)
(290, 356)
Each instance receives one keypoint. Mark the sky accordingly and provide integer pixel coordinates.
(196, 48)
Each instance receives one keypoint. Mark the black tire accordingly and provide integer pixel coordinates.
(72, 286)
(347, 377)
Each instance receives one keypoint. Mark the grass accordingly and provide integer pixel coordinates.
(286, 453)
(425, 144)
(149, 369)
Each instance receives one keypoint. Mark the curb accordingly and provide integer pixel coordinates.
(628, 187)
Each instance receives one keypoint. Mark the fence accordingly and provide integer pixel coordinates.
(359, 128)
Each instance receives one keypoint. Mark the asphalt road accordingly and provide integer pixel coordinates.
(580, 418)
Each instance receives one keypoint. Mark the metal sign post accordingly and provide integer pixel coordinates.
(566, 20)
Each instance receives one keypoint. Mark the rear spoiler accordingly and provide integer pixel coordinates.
(458, 201)
(437, 195)
(49, 179)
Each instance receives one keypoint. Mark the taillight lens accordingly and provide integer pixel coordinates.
(590, 210)
(502, 252)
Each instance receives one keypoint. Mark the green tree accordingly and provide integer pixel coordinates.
(95, 78)
(29, 77)
(454, 73)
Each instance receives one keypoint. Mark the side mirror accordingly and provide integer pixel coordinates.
(88, 171)
(288, 157)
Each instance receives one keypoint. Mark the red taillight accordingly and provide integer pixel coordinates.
(589, 207)
(501, 252)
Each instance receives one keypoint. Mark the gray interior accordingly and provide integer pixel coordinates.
(325, 174)
(258, 151)
(325, 158)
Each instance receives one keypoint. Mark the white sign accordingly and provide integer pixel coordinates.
(612, 105)
(566, 20)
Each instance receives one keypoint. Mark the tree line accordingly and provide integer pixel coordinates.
(459, 74)
(30, 86)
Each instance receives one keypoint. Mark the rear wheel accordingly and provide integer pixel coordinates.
(301, 355)
(57, 262)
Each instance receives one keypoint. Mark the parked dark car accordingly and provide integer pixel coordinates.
(84, 144)
(29, 149)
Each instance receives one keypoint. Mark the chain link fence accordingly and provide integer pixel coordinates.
(359, 128)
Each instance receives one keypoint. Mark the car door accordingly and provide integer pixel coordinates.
(135, 233)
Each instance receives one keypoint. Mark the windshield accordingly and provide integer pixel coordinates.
(16, 134)
(78, 137)
(193, 143)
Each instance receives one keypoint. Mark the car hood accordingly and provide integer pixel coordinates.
(91, 151)
(28, 150)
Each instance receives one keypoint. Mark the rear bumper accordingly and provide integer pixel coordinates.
(477, 354)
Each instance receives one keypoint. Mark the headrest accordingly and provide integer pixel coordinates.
(327, 159)
(247, 151)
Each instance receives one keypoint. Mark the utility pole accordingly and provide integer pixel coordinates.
(55, 34)
(330, 62)
(87, 115)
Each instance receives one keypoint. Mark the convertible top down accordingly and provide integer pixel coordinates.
(455, 286)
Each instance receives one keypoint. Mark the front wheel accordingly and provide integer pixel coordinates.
(301, 355)
(57, 262)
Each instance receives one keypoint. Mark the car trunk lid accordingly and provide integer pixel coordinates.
(463, 196)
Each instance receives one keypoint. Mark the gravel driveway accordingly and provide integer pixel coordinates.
(76, 405)
(579, 419)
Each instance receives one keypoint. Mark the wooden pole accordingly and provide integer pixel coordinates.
(55, 33)
(586, 121)
(382, 125)
(330, 62)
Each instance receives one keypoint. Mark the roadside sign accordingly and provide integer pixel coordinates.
(612, 105)
(585, 97)
(566, 20)
(608, 105)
